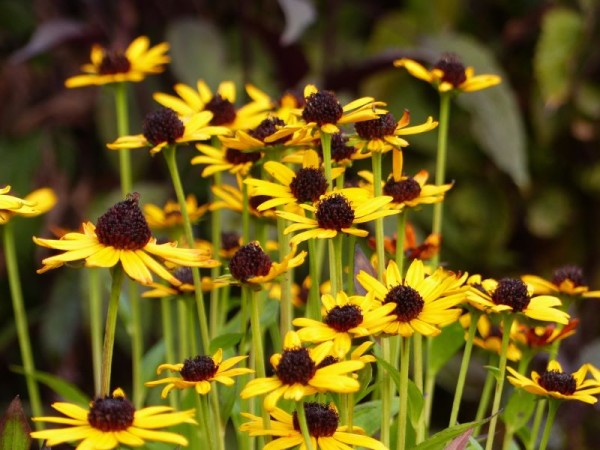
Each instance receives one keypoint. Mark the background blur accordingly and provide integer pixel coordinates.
(525, 156)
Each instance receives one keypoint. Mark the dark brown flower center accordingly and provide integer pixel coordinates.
(239, 158)
(199, 368)
(344, 318)
(403, 190)
(556, 381)
(184, 274)
(223, 110)
(327, 361)
(295, 366)
(511, 292)
(322, 107)
(249, 261)
(163, 125)
(454, 70)
(572, 273)
(114, 62)
(111, 414)
(257, 200)
(409, 302)
(339, 150)
(266, 128)
(334, 213)
(308, 185)
(321, 420)
(230, 240)
(124, 226)
(385, 125)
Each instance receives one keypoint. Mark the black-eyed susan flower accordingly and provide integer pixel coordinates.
(199, 372)
(232, 198)
(539, 336)
(513, 295)
(449, 74)
(114, 66)
(420, 302)
(225, 160)
(558, 384)
(184, 276)
(122, 236)
(169, 216)
(297, 374)
(337, 212)
(344, 318)
(112, 421)
(489, 336)
(323, 427)
(36, 203)
(220, 103)
(251, 265)
(568, 280)
(163, 127)
(383, 133)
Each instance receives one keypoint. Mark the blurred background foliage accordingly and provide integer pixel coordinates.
(525, 156)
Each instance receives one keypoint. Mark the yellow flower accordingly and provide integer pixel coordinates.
(337, 212)
(163, 127)
(225, 159)
(558, 384)
(36, 203)
(513, 295)
(232, 198)
(122, 236)
(343, 319)
(542, 336)
(298, 373)
(198, 372)
(186, 285)
(490, 336)
(449, 74)
(170, 215)
(421, 303)
(323, 427)
(221, 104)
(113, 421)
(383, 133)
(568, 280)
(109, 66)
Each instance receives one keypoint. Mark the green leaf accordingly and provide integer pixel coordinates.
(14, 429)
(415, 403)
(391, 370)
(66, 390)
(151, 360)
(368, 415)
(225, 341)
(554, 60)
(445, 346)
(438, 440)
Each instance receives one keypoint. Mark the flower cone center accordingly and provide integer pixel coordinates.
(295, 366)
(199, 368)
(238, 158)
(571, 273)
(453, 69)
(409, 302)
(344, 318)
(114, 62)
(111, 414)
(266, 128)
(385, 125)
(308, 185)
(223, 110)
(249, 261)
(322, 420)
(163, 125)
(322, 107)
(339, 150)
(124, 226)
(512, 292)
(334, 213)
(556, 381)
(403, 190)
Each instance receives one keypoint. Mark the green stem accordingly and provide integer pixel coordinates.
(379, 232)
(95, 317)
(245, 214)
(386, 393)
(215, 232)
(257, 344)
(486, 394)
(313, 306)
(334, 274)
(301, 414)
(351, 264)
(553, 405)
(507, 321)
(430, 376)
(464, 367)
(418, 376)
(400, 232)
(285, 281)
(403, 394)
(440, 167)
(111, 325)
(184, 350)
(122, 112)
(326, 147)
(14, 281)
(137, 345)
(166, 309)
(537, 423)
(204, 420)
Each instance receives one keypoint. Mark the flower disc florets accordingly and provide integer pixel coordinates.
(572, 273)
(163, 125)
(556, 381)
(295, 366)
(403, 190)
(184, 274)
(334, 213)
(409, 302)
(266, 128)
(322, 107)
(124, 226)
(327, 361)
(454, 70)
(322, 420)
(339, 150)
(223, 110)
(199, 368)
(511, 292)
(385, 125)
(256, 200)
(114, 62)
(249, 261)
(344, 318)
(308, 185)
(230, 240)
(111, 414)
(237, 157)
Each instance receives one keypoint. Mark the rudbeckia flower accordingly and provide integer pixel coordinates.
(345, 318)
(221, 104)
(383, 133)
(536, 337)
(513, 295)
(298, 373)
(558, 384)
(184, 277)
(567, 280)
(489, 336)
(449, 74)
(122, 236)
(113, 66)
(225, 160)
(169, 216)
(323, 428)
(36, 203)
(198, 372)
(421, 303)
(232, 198)
(113, 421)
(337, 212)
(163, 127)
